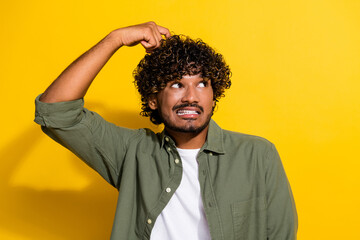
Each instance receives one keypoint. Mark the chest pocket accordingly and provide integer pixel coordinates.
(249, 219)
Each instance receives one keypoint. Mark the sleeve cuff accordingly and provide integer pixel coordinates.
(59, 114)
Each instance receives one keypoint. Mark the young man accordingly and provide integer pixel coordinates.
(193, 180)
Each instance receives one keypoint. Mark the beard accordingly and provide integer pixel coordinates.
(188, 128)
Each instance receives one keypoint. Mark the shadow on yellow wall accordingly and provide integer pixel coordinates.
(84, 214)
(296, 82)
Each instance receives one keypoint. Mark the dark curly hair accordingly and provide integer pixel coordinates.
(177, 56)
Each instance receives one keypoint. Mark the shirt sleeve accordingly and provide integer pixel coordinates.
(100, 144)
(281, 211)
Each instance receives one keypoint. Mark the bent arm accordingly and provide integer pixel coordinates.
(100, 144)
(75, 80)
(60, 109)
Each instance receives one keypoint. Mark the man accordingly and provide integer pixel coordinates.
(193, 180)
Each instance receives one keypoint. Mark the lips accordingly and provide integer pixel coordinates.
(187, 111)
(182, 112)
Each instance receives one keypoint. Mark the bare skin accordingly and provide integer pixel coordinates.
(75, 80)
(186, 108)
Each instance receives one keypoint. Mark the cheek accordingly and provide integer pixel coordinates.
(210, 99)
(165, 107)
(170, 99)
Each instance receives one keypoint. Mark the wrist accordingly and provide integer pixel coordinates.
(115, 38)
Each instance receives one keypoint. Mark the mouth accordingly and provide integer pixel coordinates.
(188, 111)
(182, 112)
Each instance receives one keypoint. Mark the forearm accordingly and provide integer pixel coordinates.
(75, 80)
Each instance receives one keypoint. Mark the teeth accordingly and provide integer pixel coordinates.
(184, 112)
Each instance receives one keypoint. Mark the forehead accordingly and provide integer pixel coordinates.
(190, 78)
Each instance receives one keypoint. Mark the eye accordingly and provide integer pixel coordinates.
(176, 85)
(203, 84)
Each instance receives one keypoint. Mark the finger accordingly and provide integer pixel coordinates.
(157, 35)
(148, 45)
(158, 38)
(145, 44)
(164, 31)
(150, 41)
(153, 36)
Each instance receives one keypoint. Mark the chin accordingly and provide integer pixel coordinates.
(187, 128)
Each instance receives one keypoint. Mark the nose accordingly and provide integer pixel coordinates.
(190, 95)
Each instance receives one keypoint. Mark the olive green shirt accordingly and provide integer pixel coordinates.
(244, 189)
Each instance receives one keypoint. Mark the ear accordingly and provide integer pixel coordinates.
(153, 102)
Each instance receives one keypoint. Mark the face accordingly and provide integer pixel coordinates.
(185, 105)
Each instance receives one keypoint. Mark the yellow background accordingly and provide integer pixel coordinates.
(296, 70)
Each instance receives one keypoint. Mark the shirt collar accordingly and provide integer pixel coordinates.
(214, 139)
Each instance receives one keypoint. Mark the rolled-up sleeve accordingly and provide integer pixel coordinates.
(100, 144)
(59, 114)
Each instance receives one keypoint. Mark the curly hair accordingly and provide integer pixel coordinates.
(177, 56)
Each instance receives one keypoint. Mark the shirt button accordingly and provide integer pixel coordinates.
(210, 153)
(166, 139)
(169, 149)
(177, 161)
(149, 221)
(168, 190)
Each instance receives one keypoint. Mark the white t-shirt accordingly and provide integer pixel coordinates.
(184, 217)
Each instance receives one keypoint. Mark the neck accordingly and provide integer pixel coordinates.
(189, 140)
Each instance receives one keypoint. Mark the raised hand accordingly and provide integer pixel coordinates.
(147, 34)
(75, 80)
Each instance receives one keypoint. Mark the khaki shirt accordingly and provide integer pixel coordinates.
(244, 189)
